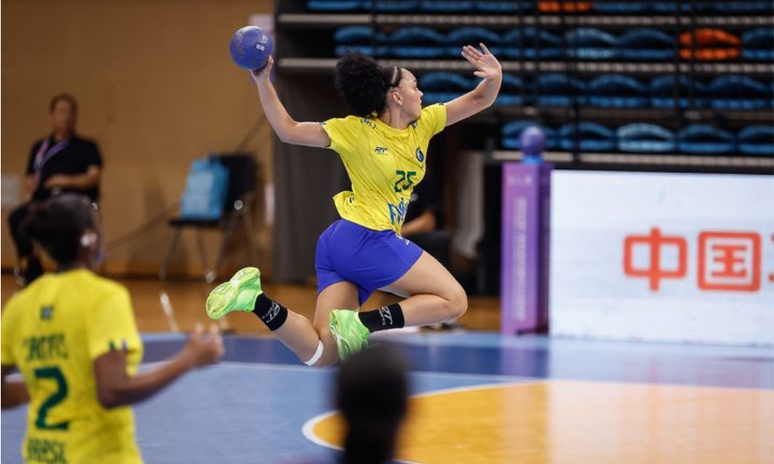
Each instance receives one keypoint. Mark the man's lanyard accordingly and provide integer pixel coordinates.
(44, 155)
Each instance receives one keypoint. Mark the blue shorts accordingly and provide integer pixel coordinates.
(367, 258)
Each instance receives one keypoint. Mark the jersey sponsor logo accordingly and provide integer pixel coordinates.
(47, 451)
(46, 312)
(368, 123)
(420, 155)
(380, 150)
(397, 212)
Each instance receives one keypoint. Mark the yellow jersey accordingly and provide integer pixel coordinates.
(53, 331)
(383, 163)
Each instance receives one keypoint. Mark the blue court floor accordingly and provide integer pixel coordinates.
(252, 408)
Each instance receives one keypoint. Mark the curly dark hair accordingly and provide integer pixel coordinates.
(372, 391)
(58, 223)
(363, 84)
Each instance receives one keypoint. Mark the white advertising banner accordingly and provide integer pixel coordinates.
(662, 257)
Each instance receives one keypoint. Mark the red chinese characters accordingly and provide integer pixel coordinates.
(654, 272)
(727, 261)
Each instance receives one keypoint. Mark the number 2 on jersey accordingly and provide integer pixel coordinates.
(55, 374)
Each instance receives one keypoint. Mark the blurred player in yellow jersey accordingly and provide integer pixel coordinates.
(72, 336)
(383, 146)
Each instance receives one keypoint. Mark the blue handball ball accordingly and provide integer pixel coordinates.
(250, 47)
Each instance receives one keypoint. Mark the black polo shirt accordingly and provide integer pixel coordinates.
(425, 197)
(73, 159)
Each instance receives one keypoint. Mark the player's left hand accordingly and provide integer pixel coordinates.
(486, 64)
(263, 74)
(204, 349)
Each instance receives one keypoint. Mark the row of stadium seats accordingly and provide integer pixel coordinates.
(522, 6)
(648, 138)
(585, 43)
(729, 92)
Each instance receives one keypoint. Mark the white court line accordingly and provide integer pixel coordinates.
(287, 367)
(504, 378)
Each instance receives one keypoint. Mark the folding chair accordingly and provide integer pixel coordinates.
(239, 200)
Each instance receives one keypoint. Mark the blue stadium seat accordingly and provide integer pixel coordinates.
(360, 38)
(354, 35)
(588, 137)
(738, 93)
(444, 80)
(503, 6)
(442, 86)
(588, 43)
(758, 44)
(705, 140)
(530, 43)
(645, 138)
(621, 7)
(416, 42)
(511, 93)
(756, 140)
(391, 6)
(370, 50)
(511, 131)
(617, 91)
(446, 6)
(457, 38)
(445, 86)
(335, 5)
(662, 92)
(673, 7)
(557, 89)
(646, 44)
(742, 7)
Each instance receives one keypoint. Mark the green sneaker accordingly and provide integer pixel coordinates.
(238, 294)
(350, 334)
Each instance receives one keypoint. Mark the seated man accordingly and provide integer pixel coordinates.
(61, 162)
(423, 221)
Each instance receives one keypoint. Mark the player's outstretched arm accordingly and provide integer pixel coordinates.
(484, 95)
(309, 134)
(115, 387)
